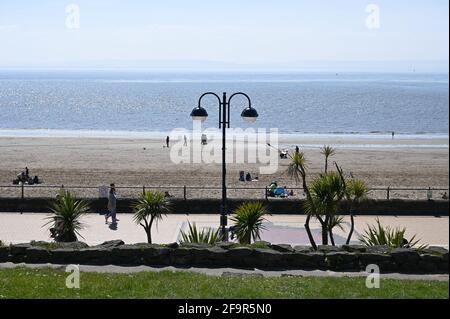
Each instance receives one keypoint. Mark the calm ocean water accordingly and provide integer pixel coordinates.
(161, 101)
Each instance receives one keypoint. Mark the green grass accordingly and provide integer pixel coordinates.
(47, 283)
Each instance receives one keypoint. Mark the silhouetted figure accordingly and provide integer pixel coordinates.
(167, 141)
(27, 172)
(297, 149)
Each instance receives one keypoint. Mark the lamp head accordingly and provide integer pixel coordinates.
(199, 114)
(250, 115)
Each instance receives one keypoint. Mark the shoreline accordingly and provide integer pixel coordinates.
(343, 139)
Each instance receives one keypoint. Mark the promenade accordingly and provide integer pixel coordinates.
(18, 228)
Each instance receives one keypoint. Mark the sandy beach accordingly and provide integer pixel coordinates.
(380, 161)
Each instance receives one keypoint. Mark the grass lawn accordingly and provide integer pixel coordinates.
(47, 283)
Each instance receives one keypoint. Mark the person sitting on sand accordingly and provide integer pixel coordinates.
(248, 177)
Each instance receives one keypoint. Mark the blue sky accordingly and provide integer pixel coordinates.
(250, 33)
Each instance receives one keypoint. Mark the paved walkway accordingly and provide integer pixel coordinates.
(230, 272)
(17, 228)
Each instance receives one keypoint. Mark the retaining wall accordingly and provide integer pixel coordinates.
(273, 257)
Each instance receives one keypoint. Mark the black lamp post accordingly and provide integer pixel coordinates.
(250, 115)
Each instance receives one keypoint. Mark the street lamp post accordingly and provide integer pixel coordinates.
(249, 114)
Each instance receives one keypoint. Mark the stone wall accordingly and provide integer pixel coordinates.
(276, 206)
(261, 256)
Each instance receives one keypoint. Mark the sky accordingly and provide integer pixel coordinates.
(268, 34)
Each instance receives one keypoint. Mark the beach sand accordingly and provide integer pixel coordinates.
(380, 162)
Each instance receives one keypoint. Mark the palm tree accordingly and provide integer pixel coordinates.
(297, 171)
(248, 219)
(328, 152)
(355, 191)
(66, 213)
(326, 193)
(150, 208)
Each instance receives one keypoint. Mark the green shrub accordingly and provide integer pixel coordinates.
(248, 219)
(65, 220)
(379, 235)
(205, 236)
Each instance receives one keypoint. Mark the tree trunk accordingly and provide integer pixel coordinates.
(324, 230)
(149, 235)
(326, 165)
(331, 237)
(352, 228)
(308, 231)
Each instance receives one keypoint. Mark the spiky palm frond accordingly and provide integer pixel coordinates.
(327, 151)
(248, 219)
(336, 221)
(194, 236)
(65, 220)
(150, 205)
(356, 190)
(378, 234)
(297, 166)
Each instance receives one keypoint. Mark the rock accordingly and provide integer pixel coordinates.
(94, 256)
(63, 256)
(355, 248)
(383, 261)
(304, 261)
(211, 257)
(378, 249)
(239, 256)
(327, 248)
(111, 244)
(182, 256)
(4, 254)
(241, 275)
(262, 243)
(225, 245)
(266, 258)
(129, 255)
(302, 249)
(342, 261)
(40, 243)
(37, 255)
(18, 252)
(436, 250)
(406, 259)
(74, 245)
(157, 255)
(429, 263)
(238, 253)
(282, 248)
(173, 245)
(194, 245)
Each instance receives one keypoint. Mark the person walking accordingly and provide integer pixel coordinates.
(185, 140)
(112, 205)
(167, 141)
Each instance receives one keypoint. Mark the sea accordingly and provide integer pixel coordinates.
(140, 102)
